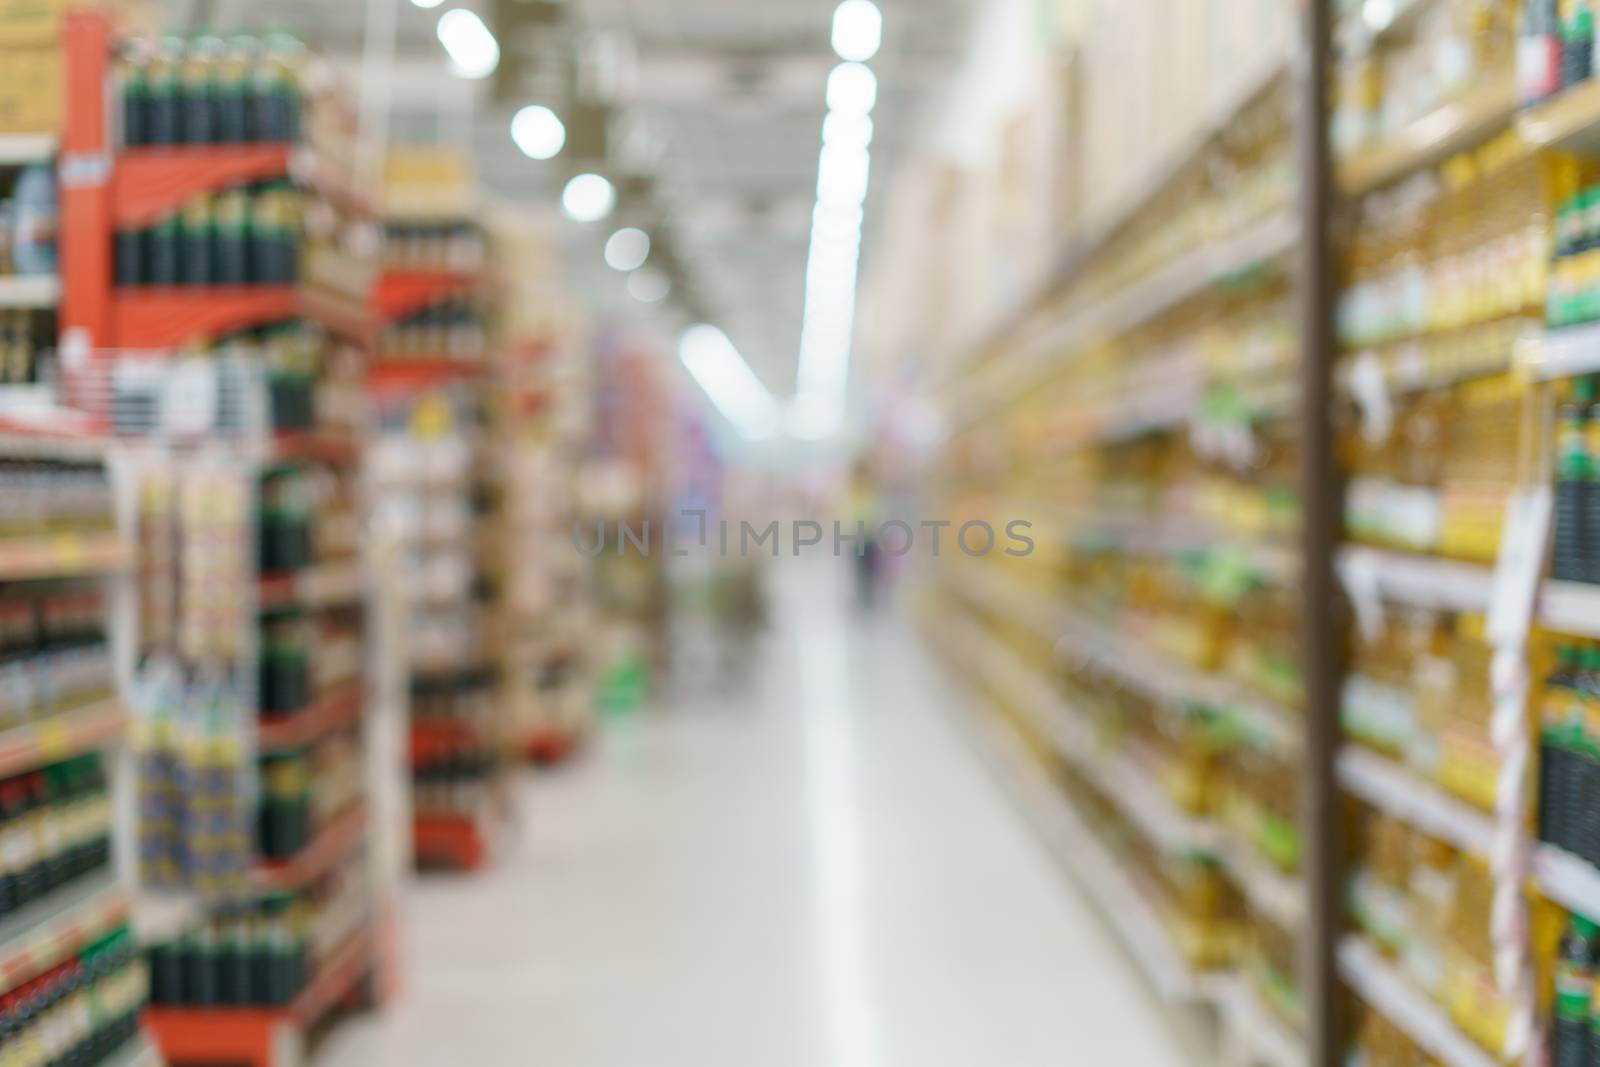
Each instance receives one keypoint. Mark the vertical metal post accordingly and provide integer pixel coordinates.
(1322, 520)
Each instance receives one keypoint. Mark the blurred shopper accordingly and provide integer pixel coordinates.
(865, 512)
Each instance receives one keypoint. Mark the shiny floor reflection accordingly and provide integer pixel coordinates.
(813, 873)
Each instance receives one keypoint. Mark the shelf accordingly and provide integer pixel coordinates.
(1258, 1032)
(150, 183)
(29, 290)
(411, 374)
(1567, 351)
(1169, 286)
(1140, 668)
(1419, 581)
(336, 839)
(262, 1036)
(1281, 897)
(1453, 127)
(1355, 37)
(298, 446)
(1570, 608)
(1109, 221)
(1569, 880)
(1393, 789)
(401, 293)
(164, 915)
(454, 839)
(159, 317)
(316, 588)
(1380, 986)
(60, 737)
(1570, 120)
(58, 926)
(1135, 922)
(21, 148)
(334, 711)
(61, 555)
(1123, 780)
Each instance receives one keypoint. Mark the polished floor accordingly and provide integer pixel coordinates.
(811, 870)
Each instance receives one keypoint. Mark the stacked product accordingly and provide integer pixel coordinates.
(1147, 647)
(541, 422)
(73, 985)
(237, 418)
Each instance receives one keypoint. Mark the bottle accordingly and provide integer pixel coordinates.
(162, 126)
(231, 218)
(162, 244)
(1554, 767)
(35, 214)
(1577, 45)
(135, 93)
(1539, 51)
(197, 240)
(233, 90)
(1574, 990)
(197, 74)
(1573, 472)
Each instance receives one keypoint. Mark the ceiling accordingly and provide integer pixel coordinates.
(716, 104)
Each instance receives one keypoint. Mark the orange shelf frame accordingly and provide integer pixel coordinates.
(167, 317)
(402, 375)
(430, 740)
(404, 292)
(59, 737)
(333, 842)
(339, 708)
(147, 184)
(450, 839)
(261, 1037)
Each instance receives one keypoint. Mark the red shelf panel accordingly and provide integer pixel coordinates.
(450, 840)
(309, 446)
(148, 184)
(399, 375)
(167, 317)
(334, 841)
(339, 708)
(402, 293)
(251, 1036)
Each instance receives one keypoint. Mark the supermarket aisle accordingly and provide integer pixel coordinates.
(819, 873)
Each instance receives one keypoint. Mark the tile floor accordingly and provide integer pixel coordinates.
(814, 873)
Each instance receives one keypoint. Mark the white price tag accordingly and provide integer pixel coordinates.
(189, 401)
(1517, 570)
(1370, 388)
(1359, 572)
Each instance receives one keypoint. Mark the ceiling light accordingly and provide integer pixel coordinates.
(847, 131)
(852, 90)
(627, 249)
(427, 5)
(474, 53)
(728, 380)
(588, 198)
(538, 132)
(648, 286)
(857, 30)
(842, 175)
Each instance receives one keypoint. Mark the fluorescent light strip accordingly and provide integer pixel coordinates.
(728, 380)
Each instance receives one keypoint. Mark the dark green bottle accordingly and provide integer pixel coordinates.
(1574, 991)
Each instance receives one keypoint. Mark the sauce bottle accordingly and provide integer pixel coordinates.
(161, 93)
(1574, 990)
(1573, 474)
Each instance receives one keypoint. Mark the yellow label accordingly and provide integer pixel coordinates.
(55, 740)
(432, 419)
(69, 550)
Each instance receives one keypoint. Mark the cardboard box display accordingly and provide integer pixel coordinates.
(32, 86)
